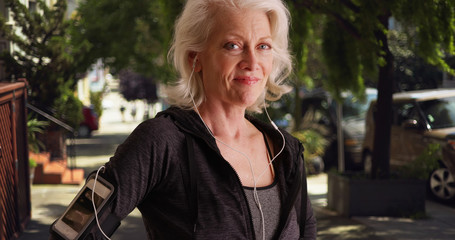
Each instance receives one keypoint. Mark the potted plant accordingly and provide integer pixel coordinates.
(32, 165)
(401, 195)
(34, 126)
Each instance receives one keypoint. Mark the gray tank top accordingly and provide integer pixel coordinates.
(269, 198)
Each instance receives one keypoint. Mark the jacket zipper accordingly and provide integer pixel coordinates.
(245, 201)
(284, 218)
(289, 204)
(239, 183)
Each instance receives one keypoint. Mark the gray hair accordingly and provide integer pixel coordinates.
(192, 30)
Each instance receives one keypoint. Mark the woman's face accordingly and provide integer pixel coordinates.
(238, 58)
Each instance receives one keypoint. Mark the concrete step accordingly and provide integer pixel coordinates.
(73, 176)
(55, 172)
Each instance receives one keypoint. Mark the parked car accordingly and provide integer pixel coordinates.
(420, 118)
(319, 113)
(89, 124)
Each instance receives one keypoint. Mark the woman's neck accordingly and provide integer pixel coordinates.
(226, 123)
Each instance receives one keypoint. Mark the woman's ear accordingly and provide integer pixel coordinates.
(193, 60)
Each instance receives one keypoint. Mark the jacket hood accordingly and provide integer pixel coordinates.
(189, 121)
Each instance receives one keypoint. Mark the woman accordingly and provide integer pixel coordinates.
(205, 169)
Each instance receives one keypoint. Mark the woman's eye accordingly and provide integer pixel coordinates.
(231, 46)
(264, 46)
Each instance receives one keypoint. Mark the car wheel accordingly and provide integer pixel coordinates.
(367, 162)
(442, 185)
(84, 131)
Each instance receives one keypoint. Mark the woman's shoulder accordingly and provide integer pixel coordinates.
(154, 132)
(159, 126)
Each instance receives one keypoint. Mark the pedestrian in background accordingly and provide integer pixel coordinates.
(133, 111)
(122, 112)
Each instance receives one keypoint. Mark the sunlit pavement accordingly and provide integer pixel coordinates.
(330, 225)
(439, 225)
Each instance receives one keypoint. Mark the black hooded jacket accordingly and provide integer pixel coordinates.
(171, 169)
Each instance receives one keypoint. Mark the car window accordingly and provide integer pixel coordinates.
(355, 108)
(316, 111)
(403, 112)
(440, 113)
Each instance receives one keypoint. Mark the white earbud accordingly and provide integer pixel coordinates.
(194, 62)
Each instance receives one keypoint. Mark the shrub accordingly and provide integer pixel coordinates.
(314, 144)
(35, 126)
(32, 163)
(424, 164)
(96, 99)
(69, 109)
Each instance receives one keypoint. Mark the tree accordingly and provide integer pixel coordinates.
(43, 55)
(128, 34)
(356, 45)
(411, 71)
(135, 86)
(300, 35)
(133, 35)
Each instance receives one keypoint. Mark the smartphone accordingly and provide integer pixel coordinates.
(80, 213)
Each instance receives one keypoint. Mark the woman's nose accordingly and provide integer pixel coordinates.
(249, 60)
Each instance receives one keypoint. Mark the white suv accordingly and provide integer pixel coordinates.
(420, 118)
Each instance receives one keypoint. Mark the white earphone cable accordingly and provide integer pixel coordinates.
(255, 193)
(93, 203)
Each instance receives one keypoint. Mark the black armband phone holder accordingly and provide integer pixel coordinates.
(78, 221)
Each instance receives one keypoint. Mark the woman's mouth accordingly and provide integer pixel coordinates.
(247, 80)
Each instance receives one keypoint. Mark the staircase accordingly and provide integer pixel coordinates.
(54, 172)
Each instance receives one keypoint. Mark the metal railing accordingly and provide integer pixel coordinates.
(15, 203)
(71, 154)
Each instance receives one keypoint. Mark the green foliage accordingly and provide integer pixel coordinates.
(411, 71)
(300, 34)
(353, 50)
(342, 55)
(356, 47)
(45, 57)
(309, 70)
(127, 34)
(69, 108)
(96, 99)
(32, 163)
(422, 215)
(431, 26)
(35, 126)
(313, 142)
(350, 48)
(424, 164)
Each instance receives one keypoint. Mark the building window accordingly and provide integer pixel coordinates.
(32, 6)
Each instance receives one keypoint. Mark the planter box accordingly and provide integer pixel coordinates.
(351, 196)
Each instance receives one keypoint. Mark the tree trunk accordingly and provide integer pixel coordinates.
(383, 115)
(297, 109)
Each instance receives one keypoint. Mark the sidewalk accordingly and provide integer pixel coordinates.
(49, 201)
(440, 224)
